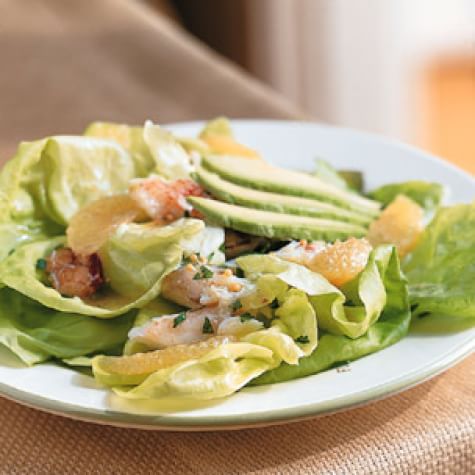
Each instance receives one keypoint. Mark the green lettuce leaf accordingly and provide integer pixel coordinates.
(135, 261)
(154, 149)
(131, 138)
(391, 326)
(346, 179)
(138, 255)
(36, 333)
(441, 271)
(41, 181)
(218, 126)
(171, 159)
(217, 374)
(328, 174)
(349, 311)
(427, 195)
(294, 315)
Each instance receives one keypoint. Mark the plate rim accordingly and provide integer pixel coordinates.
(234, 422)
(276, 416)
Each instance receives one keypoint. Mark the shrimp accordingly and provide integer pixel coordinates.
(195, 286)
(338, 263)
(73, 274)
(191, 327)
(179, 329)
(163, 201)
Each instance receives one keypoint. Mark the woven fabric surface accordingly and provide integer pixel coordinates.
(66, 63)
(429, 429)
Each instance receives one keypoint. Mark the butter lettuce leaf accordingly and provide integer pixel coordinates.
(153, 148)
(131, 137)
(217, 374)
(391, 326)
(36, 333)
(135, 261)
(328, 174)
(349, 311)
(441, 271)
(426, 194)
(137, 255)
(171, 159)
(41, 181)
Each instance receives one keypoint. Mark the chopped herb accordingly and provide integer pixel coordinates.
(302, 339)
(245, 317)
(207, 272)
(180, 318)
(236, 305)
(203, 273)
(414, 307)
(207, 327)
(274, 303)
(222, 248)
(41, 264)
(239, 272)
(211, 256)
(423, 314)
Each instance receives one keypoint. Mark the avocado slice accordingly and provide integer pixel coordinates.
(235, 194)
(261, 175)
(274, 225)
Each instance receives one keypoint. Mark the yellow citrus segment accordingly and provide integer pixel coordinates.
(225, 145)
(146, 363)
(341, 262)
(92, 225)
(401, 224)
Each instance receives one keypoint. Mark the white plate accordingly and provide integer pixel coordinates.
(409, 362)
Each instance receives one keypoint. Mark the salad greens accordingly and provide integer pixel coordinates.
(36, 333)
(261, 318)
(332, 349)
(441, 271)
(135, 260)
(427, 195)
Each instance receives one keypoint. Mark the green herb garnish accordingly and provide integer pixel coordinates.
(236, 305)
(222, 248)
(207, 327)
(41, 264)
(207, 272)
(302, 339)
(203, 273)
(274, 303)
(211, 256)
(180, 318)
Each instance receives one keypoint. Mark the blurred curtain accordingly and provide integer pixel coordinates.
(65, 63)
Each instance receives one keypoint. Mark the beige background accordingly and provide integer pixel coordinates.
(65, 63)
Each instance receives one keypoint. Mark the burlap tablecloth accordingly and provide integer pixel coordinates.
(66, 63)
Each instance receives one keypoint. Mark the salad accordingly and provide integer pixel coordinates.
(188, 268)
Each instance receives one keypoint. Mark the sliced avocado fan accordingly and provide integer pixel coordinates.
(263, 176)
(235, 194)
(274, 225)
